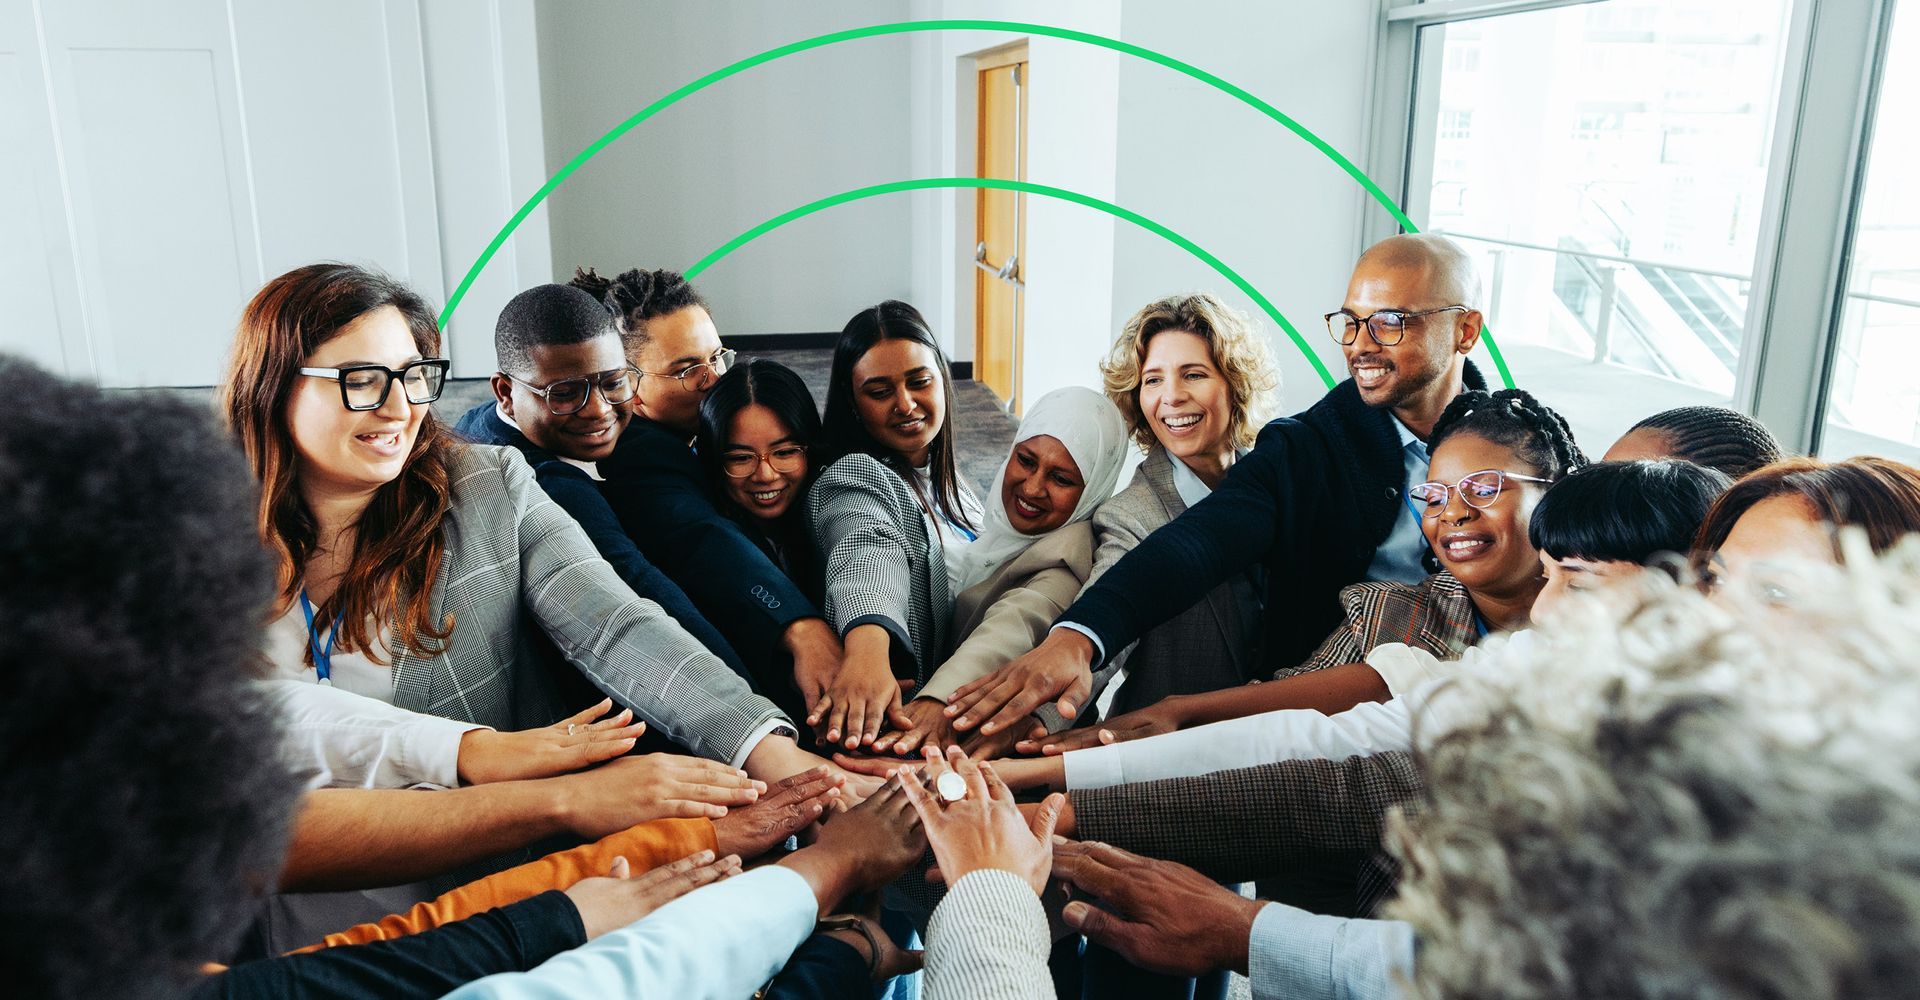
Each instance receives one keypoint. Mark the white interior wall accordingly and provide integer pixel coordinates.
(163, 163)
(1234, 181)
(719, 162)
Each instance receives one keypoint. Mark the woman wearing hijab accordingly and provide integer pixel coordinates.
(1033, 554)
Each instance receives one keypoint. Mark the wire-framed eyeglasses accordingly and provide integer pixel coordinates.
(365, 387)
(702, 375)
(567, 396)
(1478, 490)
(1387, 327)
(786, 460)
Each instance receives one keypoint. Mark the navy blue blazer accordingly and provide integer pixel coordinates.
(580, 496)
(1312, 500)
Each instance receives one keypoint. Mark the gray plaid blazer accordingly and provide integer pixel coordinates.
(882, 567)
(1204, 648)
(518, 567)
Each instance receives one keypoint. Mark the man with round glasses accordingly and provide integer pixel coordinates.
(562, 397)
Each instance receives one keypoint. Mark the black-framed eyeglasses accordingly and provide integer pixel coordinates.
(785, 460)
(1387, 327)
(567, 396)
(1479, 490)
(365, 387)
(703, 374)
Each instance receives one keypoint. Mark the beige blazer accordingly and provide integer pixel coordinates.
(1008, 613)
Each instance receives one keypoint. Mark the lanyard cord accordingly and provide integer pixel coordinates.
(322, 657)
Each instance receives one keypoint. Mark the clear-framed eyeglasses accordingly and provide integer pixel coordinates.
(365, 387)
(568, 396)
(1479, 490)
(700, 377)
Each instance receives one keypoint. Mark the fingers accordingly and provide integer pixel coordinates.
(872, 766)
(917, 796)
(909, 741)
(836, 717)
(1078, 690)
(970, 772)
(672, 868)
(983, 703)
(619, 868)
(996, 789)
(821, 707)
(1115, 932)
(858, 710)
(1019, 705)
(886, 740)
(1036, 736)
(1048, 817)
(896, 714)
(1098, 871)
(691, 809)
(1078, 739)
(694, 770)
(581, 720)
(618, 720)
(966, 694)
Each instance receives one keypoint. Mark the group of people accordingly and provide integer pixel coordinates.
(653, 676)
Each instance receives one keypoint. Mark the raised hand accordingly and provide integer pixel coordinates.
(573, 743)
(1061, 667)
(631, 790)
(615, 900)
(985, 828)
(1158, 915)
(751, 830)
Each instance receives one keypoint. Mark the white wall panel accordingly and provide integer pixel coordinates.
(30, 215)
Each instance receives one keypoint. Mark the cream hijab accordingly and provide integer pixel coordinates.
(1094, 434)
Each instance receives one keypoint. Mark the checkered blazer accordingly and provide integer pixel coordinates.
(882, 567)
(1255, 822)
(518, 567)
(1434, 615)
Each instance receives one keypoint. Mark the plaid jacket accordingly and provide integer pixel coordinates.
(1435, 615)
(515, 562)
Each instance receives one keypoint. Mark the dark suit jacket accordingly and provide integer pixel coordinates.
(1313, 499)
(656, 488)
(1262, 823)
(580, 496)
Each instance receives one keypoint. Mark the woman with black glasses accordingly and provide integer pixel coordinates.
(413, 574)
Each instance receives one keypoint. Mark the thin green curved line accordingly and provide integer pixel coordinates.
(904, 27)
(925, 183)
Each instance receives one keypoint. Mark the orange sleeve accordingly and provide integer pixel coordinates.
(646, 846)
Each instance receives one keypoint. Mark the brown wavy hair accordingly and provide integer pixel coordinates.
(398, 546)
(1238, 350)
(1878, 495)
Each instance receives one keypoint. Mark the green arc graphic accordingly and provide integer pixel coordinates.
(906, 27)
(1063, 194)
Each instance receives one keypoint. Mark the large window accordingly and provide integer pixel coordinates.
(1873, 397)
(1607, 164)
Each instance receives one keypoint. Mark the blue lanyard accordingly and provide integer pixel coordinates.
(322, 656)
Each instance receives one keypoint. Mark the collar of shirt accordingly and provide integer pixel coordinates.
(1409, 440)
(590, 468)
(1191, 488)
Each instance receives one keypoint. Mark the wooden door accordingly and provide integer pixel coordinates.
(1000, 251)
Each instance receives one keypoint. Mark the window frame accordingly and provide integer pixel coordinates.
(1834, 62)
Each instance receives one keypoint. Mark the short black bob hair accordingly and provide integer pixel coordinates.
(1625, 511)
(767, 383)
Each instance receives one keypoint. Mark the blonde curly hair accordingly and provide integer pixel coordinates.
(1238, 350)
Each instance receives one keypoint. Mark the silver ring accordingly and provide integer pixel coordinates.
(570, 728)
(951, 786)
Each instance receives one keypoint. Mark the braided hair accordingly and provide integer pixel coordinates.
(636, 296)
(1714, 436)
(1514, 419)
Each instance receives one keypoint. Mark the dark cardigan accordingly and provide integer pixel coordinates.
(1312, 500)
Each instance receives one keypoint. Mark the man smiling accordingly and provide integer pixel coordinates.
(1320, 501)
(561, 396)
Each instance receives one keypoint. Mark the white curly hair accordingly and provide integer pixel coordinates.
(1680, 797)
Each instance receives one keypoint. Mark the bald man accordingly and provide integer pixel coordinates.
(1319, 503)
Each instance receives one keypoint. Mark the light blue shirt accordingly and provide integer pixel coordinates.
(1292, 953)
(1399, 557)
(722, 941)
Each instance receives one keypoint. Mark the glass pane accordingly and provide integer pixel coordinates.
(1607, 165)
(1873, 402)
